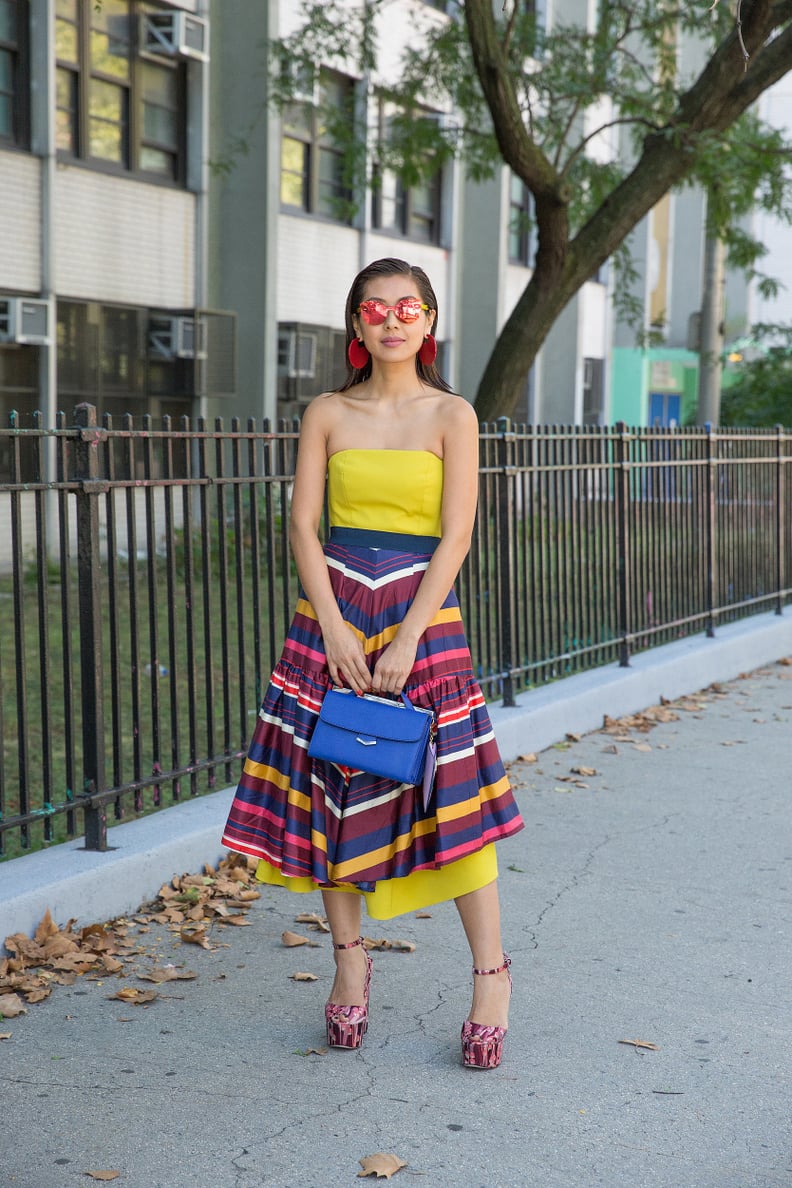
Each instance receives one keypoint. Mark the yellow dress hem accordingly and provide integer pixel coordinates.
(395, 897)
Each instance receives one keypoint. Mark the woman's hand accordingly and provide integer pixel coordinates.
(346, 660)
(393, 667)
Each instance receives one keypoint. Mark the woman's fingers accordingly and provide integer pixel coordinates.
(392, 670)
(346, 661)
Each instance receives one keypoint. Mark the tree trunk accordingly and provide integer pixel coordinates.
(710, 355)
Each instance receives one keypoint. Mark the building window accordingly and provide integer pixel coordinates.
(314, 163)
(593, 391)
(520, 222)
(115, 108)
(412, 211)
(14, 72)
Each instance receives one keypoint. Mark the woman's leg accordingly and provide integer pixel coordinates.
(342, 909)
(480, 914)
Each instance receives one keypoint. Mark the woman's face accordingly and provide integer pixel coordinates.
(392, 318)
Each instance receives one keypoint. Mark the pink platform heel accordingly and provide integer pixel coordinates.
(346, 1025)
(482, 1047)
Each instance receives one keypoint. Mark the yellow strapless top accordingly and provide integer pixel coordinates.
(389, 490)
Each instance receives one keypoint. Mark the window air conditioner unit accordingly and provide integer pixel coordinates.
(176, 338)
(297, 354)
(174, 35)
(24, 320)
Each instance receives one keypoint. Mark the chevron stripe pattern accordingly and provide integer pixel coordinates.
(333, 825)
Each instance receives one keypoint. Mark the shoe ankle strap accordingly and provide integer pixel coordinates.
(499, 969)
(351, 945)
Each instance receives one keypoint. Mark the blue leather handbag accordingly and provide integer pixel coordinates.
(374, 734)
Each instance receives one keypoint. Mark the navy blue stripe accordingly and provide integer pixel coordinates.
(371, 538)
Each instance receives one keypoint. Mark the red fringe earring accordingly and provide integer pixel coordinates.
(357, 354)
(428, 351)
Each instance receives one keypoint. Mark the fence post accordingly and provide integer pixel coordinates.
(622, 485)
(506, 520)
(712, 493)
(89, 488)
(780, 512)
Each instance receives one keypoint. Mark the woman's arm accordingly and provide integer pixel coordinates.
(346, 660)
(458, 513)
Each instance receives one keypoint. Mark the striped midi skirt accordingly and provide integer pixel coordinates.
(313, 820)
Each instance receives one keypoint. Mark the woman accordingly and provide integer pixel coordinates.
(399, 454)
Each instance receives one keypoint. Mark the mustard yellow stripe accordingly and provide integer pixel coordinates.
(263, 771)
(304, 608)
(493, 791)
(464, 808)
(451, 614)
(374, 642)
(345, 870)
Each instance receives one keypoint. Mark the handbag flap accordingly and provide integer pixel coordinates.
(385, 720)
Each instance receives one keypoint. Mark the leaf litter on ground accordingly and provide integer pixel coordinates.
(190, 906)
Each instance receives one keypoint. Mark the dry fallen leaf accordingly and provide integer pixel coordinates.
(5, 1035)
(195, 936)
(317, 922)
(382, 945)
(34, 996)
(584, 771)
(103, 1175)
(381, 1165)
(303, 977)
(423, 915)
(134, 996)
(529, 758)
(641, 1044)
(11, 1006)
(46, 928)
(167, 973)
(292, 939)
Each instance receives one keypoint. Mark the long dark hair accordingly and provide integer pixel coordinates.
(390, 266)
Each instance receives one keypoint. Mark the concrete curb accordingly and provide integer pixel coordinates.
(89, 886)
(578, 703)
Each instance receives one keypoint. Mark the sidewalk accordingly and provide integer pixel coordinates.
(652, 904)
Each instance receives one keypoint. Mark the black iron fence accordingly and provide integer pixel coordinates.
(147, 587)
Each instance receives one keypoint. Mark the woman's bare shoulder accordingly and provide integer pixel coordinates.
(323, 409)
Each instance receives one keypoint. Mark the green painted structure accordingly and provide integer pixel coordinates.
(656, 386)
